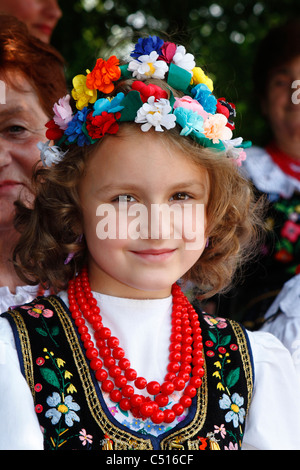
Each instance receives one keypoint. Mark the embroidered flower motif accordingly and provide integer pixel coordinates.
(200, 77)
(232, 446)
(145, 46)
(215, 128)
(156, 114)
(190, 121)
(61, 408)
(149, 90)
(81, 93)
(109, 105)
(62, 112)
(103, 124)
(104, 74)
(38, 310)
(235, 414)
(74, 131)
(221, 430)
(148, 66)
(291, 231)
(219, 322)
(85, 438)
(50, 155)
(183, 59)
(202, 93)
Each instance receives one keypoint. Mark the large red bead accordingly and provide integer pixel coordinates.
(124, 404)
(140, 382)
(158, 416)
(120, 381)
(115, 395)
(169, 416)
(107, 385)
(101, 375)
(167, 388)
(146, 409)
(127, 391)
(96, 363)
(130, 374)
(153, 388)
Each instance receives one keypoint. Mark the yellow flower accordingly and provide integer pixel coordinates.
(217, 374)
(68, 374)
(218, 364)
(200, 77)
(71, 389)
(220, 386)
(60, 362)
(81, 93)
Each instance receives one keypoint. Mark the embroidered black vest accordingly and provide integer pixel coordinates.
(70, 406)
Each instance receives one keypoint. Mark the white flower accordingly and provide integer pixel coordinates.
(50, 155)
(184, 60)
(148, 66)
(234, 150)
(156, 114)
(61, 408)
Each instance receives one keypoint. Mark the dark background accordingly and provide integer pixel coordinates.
(223, 36)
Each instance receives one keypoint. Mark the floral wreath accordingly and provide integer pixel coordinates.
(203, 117)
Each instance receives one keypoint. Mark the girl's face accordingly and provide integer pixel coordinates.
(22, 126)
(132, 180)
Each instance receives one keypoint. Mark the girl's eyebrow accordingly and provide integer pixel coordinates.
(180, 185)
(7, 112)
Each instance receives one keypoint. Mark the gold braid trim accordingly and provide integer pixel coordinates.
(246, 360)
(25, 348)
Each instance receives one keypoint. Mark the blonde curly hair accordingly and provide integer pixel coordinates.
(50, 229)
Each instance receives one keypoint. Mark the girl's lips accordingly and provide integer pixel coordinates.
(155, 255)
(8, 186)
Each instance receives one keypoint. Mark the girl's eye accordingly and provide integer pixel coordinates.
(124, 198)
(180, 197)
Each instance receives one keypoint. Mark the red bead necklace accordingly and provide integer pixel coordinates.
(113, 369)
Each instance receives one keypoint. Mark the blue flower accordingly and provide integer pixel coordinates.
(66, 408)
(74, 130)
(190, 121)
(203, 95)
(145, 46)
(110, 106)
(236, 413)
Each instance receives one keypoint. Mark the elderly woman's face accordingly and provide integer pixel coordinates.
(40, 16)
(22, 126)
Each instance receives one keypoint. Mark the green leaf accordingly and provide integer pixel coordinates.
(233, 377)
(225, 340)
(55, 331)
(50, 377)
(212, 336)
(41, 331)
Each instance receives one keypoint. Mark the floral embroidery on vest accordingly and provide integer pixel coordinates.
(70, 406)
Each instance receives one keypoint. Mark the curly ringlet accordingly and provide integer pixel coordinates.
(50, 229)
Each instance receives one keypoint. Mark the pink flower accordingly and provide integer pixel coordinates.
(62, 112)
(188, 103)
(84, 437)
(215, 128)
(291, 231)
(38, 310)
(242, 156)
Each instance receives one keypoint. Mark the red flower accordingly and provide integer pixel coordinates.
(228, 109)
(149, 90)
(168, 51)
(53, 132)
(283, 256)
(105, 123)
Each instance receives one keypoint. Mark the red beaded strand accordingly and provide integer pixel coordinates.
(113, 369)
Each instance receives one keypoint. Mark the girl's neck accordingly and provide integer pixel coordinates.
(8, 276)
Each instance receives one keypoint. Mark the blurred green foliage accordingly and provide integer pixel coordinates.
(223, 36)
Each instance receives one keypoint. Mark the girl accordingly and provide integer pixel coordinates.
(119, 358)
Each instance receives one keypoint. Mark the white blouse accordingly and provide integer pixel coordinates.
(24, 294)
(143, 327)
(266, 175)
(286, 325)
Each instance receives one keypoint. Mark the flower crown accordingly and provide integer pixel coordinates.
(203, 117)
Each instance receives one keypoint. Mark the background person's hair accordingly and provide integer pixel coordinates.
(39, 63)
